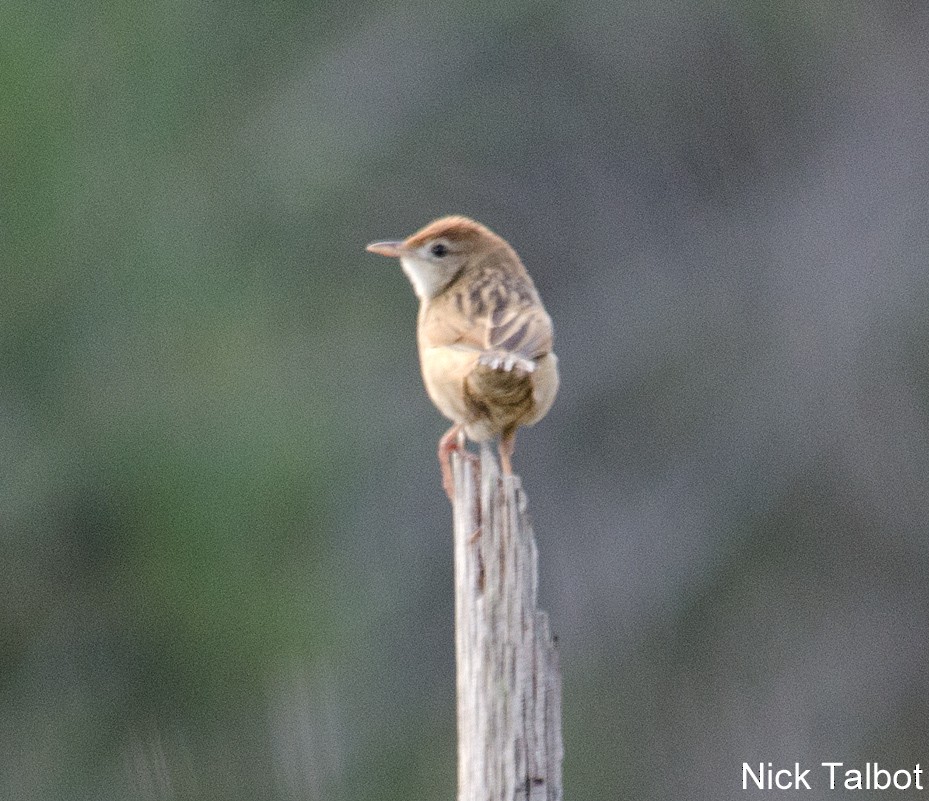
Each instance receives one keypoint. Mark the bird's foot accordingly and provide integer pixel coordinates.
(452, 441)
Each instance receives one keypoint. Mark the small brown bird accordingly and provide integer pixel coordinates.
(485, 340)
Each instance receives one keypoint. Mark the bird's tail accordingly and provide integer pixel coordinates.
(503, 381)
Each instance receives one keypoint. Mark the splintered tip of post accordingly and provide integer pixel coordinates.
(480, 477)
(464, 464)
(489, 466)
(494, 479)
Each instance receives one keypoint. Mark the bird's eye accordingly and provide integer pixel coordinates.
(438, 250)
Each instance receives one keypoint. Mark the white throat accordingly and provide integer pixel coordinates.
(427, 281)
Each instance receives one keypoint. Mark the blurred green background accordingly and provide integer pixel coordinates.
(225, 557)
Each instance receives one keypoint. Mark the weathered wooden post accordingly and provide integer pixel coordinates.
(508, 677)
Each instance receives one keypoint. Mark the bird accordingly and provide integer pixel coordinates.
(484, 338)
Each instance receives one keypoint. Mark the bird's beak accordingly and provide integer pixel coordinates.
(392, 249)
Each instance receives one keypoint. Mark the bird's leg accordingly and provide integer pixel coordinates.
(507, 445)
(452, 440)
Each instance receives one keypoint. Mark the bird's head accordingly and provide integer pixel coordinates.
(435, 255)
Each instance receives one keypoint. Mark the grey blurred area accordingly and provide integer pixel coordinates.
(225, 556)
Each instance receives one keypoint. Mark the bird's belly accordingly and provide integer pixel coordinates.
(444, 372)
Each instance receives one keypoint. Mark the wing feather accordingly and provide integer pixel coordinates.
(492, 308)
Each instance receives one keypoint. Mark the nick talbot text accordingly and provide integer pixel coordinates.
(834, 775)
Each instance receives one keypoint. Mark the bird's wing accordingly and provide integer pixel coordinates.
(492, 306)
(503, 314)
(522, 328)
